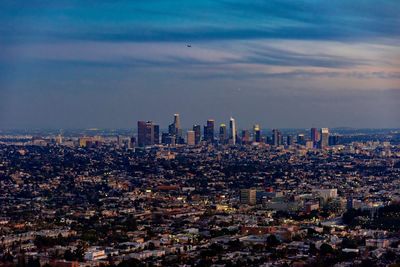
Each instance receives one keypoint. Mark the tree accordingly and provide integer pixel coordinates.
(79, 252)
(33, 262)
(326, 249)
(129, 263)
(131, 223)
(68, 255)
(273, 241)
(7, 257)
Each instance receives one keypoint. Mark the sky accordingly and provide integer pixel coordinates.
(281, 64)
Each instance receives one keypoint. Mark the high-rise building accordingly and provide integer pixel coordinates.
(324, 142)
(197, 133)
(120, 141)
(141, 127)
(59, 139)
(309, 144)
(132, 142)
(164, 138)
(248, 196)
(223, 134)
(289, 140)
(315, 136)
(156, 129)
(301, 139)
(177, 123)
(171, 129)
(209, 131)
(333, 140)
(257, 133)
(232, 131)
(276, 137)
(146, 133)
(168, 139)
(245, 136)
(190, 138)
(175, 130)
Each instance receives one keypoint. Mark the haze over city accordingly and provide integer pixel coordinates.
(201, 133)
(107, 64)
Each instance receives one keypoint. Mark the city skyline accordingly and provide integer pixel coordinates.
(199, 133)
(281, 63)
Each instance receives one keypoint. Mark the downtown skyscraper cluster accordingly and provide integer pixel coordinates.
(149, 134)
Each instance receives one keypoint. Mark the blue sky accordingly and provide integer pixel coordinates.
(81, 64)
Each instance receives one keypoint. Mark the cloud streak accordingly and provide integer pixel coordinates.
(139, 48)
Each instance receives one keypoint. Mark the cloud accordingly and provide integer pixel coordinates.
(198, 21)
(91, 57)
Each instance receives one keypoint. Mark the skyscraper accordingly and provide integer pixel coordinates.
(276, 137)
(197, 134)
(315, 136)
(245, 136)
(223, 134)
(146, 133)
(59, 139)
(175, 130)
(289, 140)
(171, 129)
(301, 139)
(168, 139)
(248, 196)
(190, 138)
(232, 131)
(132, 142)
(156, 134)
(256, 133)
(209, 131)
(333, 140)
(324, 137)
(177, 123)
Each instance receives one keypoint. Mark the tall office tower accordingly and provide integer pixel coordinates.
(120, 141)
(156, 128)
(248, 196)
(301, 139)
(177, 123)
(324, 137)
(232, 131)
(145, 133)
(190, 138)
(132, 142)
(268, 140)
(59, 139)
(276, 137)
(223, 134)
(164, 138)
(170, 140)
(245, 136)
(171, 129)
(315, 136)
(197, 134)
(141, 137)
(209, 131)
(175, 127)
(333, 140)
(257, 133)
(289, 140)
